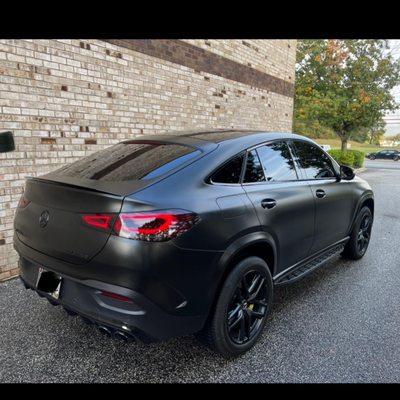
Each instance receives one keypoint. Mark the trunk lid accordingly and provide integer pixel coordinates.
(63, 235)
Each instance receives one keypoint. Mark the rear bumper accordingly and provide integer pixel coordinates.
(172, 289)
(141, 318)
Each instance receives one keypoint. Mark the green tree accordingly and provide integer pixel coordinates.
(372, 135)
(375, 134)
(345, 84)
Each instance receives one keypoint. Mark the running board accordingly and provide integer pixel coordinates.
(304, 269)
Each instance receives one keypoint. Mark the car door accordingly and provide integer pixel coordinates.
(284, 204)
(334, 199)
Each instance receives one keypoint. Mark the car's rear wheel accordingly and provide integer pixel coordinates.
(372, 157)
(241, 310)
(396, 158)
(360, 236)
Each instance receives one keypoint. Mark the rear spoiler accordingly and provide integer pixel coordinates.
(121, 189)
(62, 183)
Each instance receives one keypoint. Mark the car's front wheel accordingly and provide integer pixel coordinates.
(372, 157)
(396, 158)
(241, 310)
(360, 235)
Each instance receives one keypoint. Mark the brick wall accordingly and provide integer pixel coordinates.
(64, 99)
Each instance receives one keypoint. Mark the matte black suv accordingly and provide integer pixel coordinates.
(172, 235)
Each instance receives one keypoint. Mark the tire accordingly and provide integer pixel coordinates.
(227, 309)
(372, 157)
(396, 158)
(353, 249)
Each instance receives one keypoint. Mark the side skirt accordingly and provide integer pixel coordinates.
(304, 267)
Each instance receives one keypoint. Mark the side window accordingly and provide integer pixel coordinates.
(229, 172)
(254, 171)
(313, 161)
(277, 162)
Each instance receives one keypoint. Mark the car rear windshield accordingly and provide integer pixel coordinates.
(130, 161)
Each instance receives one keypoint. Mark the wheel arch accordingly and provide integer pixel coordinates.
(369, 202)
(366, 200)
(259, 244)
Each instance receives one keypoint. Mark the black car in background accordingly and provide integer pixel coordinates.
(173, 235)
(385, 155)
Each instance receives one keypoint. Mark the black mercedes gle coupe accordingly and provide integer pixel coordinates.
(189, 233)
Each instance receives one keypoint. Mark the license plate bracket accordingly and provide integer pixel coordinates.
(49, 282)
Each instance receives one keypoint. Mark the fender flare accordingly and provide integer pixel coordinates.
(366, 196)
(241, 243)
(231, 251)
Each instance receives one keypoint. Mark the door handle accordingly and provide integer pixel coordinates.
(268, 203)
(320, 193)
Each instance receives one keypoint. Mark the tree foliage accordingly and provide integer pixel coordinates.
(371, 135)
(345, 85)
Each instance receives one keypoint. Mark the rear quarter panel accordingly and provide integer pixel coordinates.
(225, 211)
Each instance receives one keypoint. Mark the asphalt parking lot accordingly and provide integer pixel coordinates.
(382, 164)
(340, 324)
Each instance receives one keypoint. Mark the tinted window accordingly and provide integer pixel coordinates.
(130, 161)
(229, 172)
(277, 162)
(254, 171)
(313, 161)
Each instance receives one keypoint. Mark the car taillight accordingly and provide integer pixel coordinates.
(99, 221)
(154, 226)
(23, 202)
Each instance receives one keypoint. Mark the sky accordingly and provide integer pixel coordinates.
(393, 119)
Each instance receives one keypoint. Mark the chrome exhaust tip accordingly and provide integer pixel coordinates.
(104, 331)
(121, 336)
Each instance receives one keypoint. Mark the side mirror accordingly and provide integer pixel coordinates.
(6, 142)
(347, 173)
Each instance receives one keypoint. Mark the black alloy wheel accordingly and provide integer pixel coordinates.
(247, 308)
(241, 310)
(360, 235)
(364, 234)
